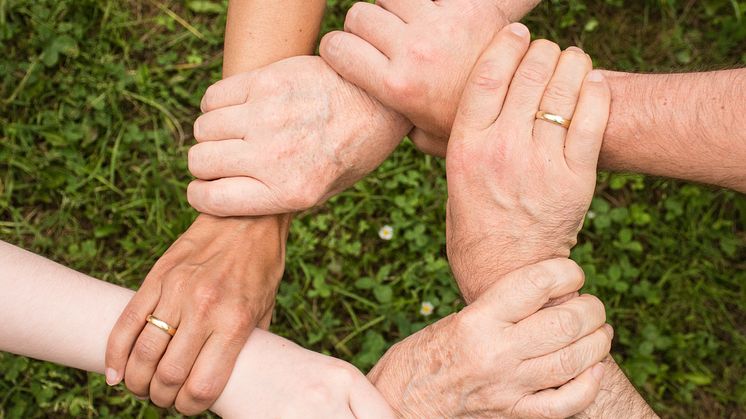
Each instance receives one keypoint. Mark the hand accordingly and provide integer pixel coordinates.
(519, 187)
(214, 284)
(276, 378)
(416, 55)
(503, 356)
(286, 138)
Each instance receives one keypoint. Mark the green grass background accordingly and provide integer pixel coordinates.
(96, 104)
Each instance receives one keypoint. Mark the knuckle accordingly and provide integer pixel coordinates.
(353, 15)
(202, 392)
(595, 305)
(303, 198)
(206, 298)
(398, 86)
(319, 394)
(422, 52)
(560, 93)
(533, 72)
(540, 277)
(569, 323)
(171, 374)
(147, 349)
(486, 76)
(568, 365)
(131, 318)
(545, 46)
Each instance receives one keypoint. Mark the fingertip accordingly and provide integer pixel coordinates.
(330, 44)
(112, 377)
(598, 371)
(609, 330)
(595, 76)
(195, 194)
(518, 29)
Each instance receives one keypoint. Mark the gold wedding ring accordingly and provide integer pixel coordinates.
(554, 119)
(155, 321)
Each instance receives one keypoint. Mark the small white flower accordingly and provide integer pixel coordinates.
(591, 215)
(426, 308)
(386, 232)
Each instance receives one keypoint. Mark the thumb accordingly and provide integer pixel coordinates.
(525, 291)
(428, 143)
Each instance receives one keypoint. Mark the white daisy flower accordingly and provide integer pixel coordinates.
(386, 232)
(591, 215)
(426, 308)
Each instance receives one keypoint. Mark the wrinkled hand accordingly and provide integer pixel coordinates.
(519, 187)
(214, 284)
(285, 138)
(416, 55)
(504, 356)
(275, 378)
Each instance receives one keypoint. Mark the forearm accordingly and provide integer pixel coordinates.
(55, 314)
(618, 398)
(685, 126)
(261, 32)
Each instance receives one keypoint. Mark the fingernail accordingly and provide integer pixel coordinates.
(519, 29)
(112, 377)
(595, 76)
(576, 49)
(140, 398)
(332, 44)
(598, 371)
(195, 128)
(610, 330)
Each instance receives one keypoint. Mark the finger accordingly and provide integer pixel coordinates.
(149, 349)
(587, 129)
(209, 374)
(176, 364)
(380, 28)
(230, 91)
(551, 329)
(219, 159)
(367, 403)
(357, 61)
(523, 292)
(560, 98)
(126, 330)
(529, 83)
(559, 367)
(265, 321)
(406, 10)
(428, 143)
(235, 196)
(225, 123)
(485, 91)
(566, 401)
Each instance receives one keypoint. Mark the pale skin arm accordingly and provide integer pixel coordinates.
(55, 314)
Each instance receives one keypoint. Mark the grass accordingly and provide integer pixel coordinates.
(96, 104)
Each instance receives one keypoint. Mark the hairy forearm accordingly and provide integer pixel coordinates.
(685, 126)
(618, 398)
(53, 313)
